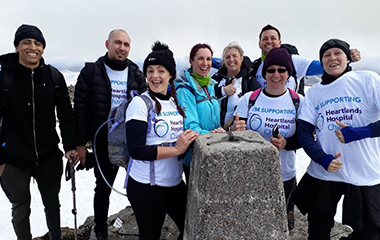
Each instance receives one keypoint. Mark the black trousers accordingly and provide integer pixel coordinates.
(15, 182)
(102, 190)
(290, 188)
(151, 204)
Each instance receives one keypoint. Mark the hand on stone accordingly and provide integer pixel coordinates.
(218, 130)
(335, 164)
(279, 142)
(184, 140)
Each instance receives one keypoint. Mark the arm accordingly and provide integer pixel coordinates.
(65, 115)
(292, 143)
(81, 95)
(137, 131)
(349, 134)
(314, 150)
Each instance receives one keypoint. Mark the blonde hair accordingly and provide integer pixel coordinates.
(232, 45)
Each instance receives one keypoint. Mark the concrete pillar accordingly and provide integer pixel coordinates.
(235, 189)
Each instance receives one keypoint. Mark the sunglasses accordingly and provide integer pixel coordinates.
(280, 70)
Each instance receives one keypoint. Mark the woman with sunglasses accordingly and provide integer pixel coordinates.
(342, 112)
(276, 107)
(155, 187)
(234, 79)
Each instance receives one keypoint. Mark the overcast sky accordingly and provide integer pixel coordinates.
(75, 30)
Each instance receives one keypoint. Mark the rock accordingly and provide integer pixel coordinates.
(235, 189)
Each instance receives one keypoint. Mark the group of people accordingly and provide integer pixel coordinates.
(337, 123)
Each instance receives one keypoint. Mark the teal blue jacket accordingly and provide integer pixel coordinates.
(202, 111)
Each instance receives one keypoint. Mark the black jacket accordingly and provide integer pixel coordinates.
(29, 133)
(92, 99)
(249, 83)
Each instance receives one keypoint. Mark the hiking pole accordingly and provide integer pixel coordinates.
(74, 210)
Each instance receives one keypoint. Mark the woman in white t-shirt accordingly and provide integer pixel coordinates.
(272, 106)
(342, 113)
(155, 140)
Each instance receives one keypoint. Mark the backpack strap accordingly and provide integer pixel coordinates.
(295, 99)
(253, 98)
(90, 70)
(149, 106)
(193, 92)
(255, 66)
(55, 75)
(7, 82)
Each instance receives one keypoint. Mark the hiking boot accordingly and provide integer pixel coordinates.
(101, 234)
(347, 238)
(291, 220)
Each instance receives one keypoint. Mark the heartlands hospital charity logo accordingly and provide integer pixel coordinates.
(320, 122)
(161, 128)
(255, 122)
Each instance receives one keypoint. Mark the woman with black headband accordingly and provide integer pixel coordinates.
(343, 111)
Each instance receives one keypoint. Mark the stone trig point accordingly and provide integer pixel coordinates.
(235, 189)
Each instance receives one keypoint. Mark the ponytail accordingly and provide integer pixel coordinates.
(174, 95)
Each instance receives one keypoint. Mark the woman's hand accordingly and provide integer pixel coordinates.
(239, 125)
(279, 142)
(339, 133)
(355, 55)
(218, 130)
(184, 140)
(230, 89)
(335, 164)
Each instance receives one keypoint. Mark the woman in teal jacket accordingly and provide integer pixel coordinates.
(196, 95)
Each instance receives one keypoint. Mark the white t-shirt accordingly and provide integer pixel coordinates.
(233, 100)
(165, 128)
(119, 87)
(301, 64)
(353, 99)
(262, 117)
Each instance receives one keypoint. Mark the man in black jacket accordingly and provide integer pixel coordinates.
(29, 140)
(109, 81)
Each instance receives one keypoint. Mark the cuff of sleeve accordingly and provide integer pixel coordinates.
(325, 161)
(356, 133)
(223, 92)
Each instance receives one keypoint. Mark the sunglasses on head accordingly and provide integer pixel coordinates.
(280, 70)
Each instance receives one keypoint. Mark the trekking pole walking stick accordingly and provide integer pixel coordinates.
(73, 189)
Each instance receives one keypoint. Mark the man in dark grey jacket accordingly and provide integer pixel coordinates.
(109, 81)
(31, 91)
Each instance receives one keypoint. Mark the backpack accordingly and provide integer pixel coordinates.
(255, 95)
(117, 138)
(292, 50)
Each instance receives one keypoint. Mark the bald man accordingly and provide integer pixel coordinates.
(102, 85)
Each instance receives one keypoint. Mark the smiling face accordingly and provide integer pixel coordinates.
(232, 60)
(269, 39)
(334, 62)
(118, 45)
(201, 64)
(158, 78)
(276, 77)
(30, 52)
